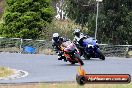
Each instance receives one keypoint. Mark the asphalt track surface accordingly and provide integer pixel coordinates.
(46, 68)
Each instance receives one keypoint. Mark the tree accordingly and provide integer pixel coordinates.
(83, 13)
(118, 25)
(114, 22)
(80, 10)
(26, 18)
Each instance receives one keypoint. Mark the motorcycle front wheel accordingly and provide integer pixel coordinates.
(87, 56)
(78, 58)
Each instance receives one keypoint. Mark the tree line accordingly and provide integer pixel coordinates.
(115, 19)
(29, 18)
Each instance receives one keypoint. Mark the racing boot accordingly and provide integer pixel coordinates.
(64, 58)
(60, 56)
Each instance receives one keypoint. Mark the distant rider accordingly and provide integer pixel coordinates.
(78, 40)
(56, 42)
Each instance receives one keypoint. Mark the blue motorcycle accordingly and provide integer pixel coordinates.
(91, 49)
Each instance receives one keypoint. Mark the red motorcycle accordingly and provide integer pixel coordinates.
(71, 52)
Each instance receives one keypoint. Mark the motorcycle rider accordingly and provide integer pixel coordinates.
(78, 40)
(56, 42)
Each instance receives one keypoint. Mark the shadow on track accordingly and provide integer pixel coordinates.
(68, 64)
(93, 59)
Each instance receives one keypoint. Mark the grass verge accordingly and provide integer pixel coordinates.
(67, 85)
(4, 72)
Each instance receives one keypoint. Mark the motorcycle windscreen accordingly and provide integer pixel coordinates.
(90, 40)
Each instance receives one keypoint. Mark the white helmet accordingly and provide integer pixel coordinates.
(55, 35)
(76, 30)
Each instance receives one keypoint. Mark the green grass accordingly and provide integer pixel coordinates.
(74, 85)
(4, 72)
(130, 53)
(65, 85)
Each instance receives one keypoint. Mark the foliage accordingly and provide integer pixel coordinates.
(2, 6)
(118, 25)
(114, 22)
(80, 10)
(64, 28)
(83, 12)
(26, 18)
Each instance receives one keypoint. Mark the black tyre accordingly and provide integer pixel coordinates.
(72, 62)
(76, 56)
(86, 56)
(101, 56)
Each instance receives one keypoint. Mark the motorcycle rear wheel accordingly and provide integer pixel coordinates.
(72, 62)
(101, 55)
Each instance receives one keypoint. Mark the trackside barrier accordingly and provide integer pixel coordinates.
(116, 50)
(16, 45)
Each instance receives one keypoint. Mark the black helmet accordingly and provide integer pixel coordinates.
(76, 32)
(61, 39)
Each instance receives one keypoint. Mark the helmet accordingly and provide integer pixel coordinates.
(61, 39)
(76, 32)
(55, 37)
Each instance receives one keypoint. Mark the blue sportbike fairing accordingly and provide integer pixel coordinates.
(92, 49)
